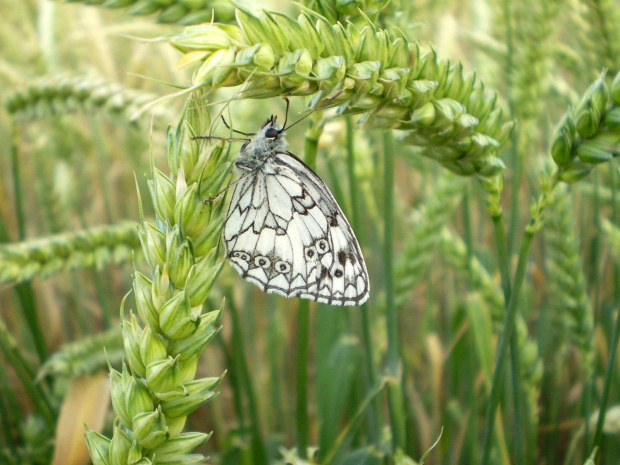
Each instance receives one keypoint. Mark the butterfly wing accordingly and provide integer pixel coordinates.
(285, 233)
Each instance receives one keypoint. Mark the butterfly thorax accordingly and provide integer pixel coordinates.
(266, 143)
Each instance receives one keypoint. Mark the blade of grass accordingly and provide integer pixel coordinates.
(335, 383)
(348, 431)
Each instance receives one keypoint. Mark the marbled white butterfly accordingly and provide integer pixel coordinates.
(284, 230)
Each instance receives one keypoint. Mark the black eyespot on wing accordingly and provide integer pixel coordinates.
(338, 273)
(310, 253)
(263, 262)
(282, 267)
(271, 133)
(322, 246)
(242, 255)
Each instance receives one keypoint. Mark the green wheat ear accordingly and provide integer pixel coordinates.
(586, 137)
(377, 74)
(154, 394)
(172, 11)
(423, 242)
(485, 290)
(53, 95)
(97, 246)
(355, 11)
(85, 356)
(589, 134)
(597, 34)
(571, 314)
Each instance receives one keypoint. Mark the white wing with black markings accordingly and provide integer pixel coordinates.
(285, 233)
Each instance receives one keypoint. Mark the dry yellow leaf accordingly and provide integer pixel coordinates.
(86, 403)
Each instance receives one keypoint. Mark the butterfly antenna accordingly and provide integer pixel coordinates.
(227, 139)
(234, 130)
(284, 128)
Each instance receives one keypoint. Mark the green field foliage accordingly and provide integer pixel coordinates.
(473, 146)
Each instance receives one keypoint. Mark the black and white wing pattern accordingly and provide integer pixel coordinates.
(285, 233)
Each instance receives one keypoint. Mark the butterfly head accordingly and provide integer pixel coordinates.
(268, 140)
(269, 130)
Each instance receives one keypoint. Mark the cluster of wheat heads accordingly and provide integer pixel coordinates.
(478, 326)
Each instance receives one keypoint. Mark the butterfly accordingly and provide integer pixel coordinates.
(285, 232)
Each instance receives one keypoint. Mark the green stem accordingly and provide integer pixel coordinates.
(613, 347)
(274, 348)
(467, 222)
(504, 266)
(517, 399)
(594, 266)
(502, 255)
(505, 337)
(24, 290)
(514, 135)
(103, 159)
(394, 362)
(303, 324)
(505, 249)
(259, 452)
(365, 318)
(303, 332)
(17, 189)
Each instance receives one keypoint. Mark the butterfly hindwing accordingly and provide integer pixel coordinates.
(285, 233)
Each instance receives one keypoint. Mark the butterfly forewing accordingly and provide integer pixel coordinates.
(285, 233)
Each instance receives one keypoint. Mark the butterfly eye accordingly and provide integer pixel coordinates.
(263, 262)
(283, 267)
(271, 133)
(322, 245)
